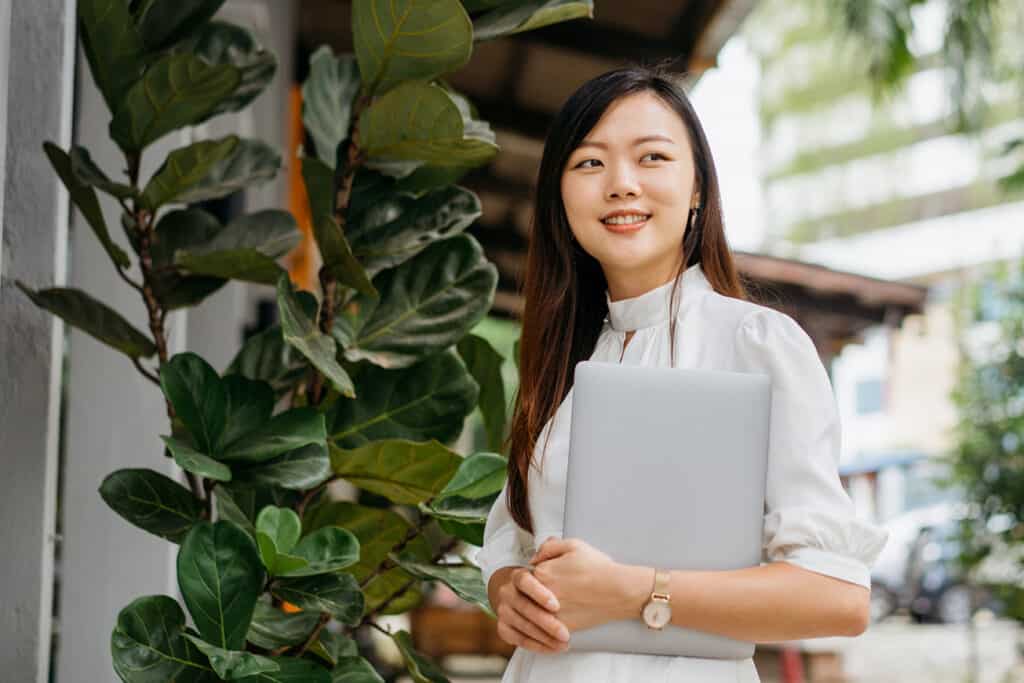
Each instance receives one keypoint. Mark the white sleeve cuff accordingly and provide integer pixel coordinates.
(830, 564)
(503, 550)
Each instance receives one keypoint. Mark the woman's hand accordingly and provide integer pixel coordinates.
(526, 614)
(581, 577)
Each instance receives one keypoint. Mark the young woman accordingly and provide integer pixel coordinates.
(628, 263)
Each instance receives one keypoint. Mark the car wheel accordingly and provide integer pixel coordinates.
(954, 605)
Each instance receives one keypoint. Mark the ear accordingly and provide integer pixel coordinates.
(696, 200)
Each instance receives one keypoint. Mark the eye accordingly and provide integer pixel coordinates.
(653, 154)
(581, 164)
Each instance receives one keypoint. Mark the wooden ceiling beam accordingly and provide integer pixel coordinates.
(607, 42)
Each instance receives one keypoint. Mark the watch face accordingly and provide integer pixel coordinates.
(657, 614)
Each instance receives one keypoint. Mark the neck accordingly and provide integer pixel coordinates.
(629, 284)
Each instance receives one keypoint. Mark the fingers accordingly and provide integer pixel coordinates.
(530, 585)
(523, 622)
(528, 630)
(513, 637)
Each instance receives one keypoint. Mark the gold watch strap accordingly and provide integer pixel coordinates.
(660, 589)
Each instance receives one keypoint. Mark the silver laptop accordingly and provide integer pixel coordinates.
(667, 469)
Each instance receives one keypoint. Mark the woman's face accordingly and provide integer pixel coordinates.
(634, 168)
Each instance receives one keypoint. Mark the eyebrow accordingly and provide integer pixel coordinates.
(638, 141)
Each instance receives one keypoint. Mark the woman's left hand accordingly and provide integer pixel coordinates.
(582, 578)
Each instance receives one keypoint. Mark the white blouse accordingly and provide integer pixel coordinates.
(809, 518)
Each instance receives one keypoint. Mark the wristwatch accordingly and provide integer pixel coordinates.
(658, 612)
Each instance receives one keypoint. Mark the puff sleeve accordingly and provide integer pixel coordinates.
(809, 518)
(505, 543)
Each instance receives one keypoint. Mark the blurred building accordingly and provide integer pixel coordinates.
(885, 189)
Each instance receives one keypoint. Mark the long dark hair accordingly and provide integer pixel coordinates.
(564, 287)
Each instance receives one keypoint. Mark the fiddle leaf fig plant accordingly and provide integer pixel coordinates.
(367, 379)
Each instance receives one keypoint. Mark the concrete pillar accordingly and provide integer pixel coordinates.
(36, 57)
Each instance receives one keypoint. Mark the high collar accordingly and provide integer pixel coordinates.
(652, 307)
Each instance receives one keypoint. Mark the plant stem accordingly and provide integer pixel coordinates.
(353, 157)
(131, 283)
(444, 550)
(156, 313)
(309, 495)
(324, 618)
(145, 373)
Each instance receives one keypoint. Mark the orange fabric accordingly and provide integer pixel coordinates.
(303, 262)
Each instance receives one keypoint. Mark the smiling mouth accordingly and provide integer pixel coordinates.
(626, 222)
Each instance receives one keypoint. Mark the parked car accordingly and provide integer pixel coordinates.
(889, 573)
(936, 588)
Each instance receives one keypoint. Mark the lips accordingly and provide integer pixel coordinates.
(631, 226)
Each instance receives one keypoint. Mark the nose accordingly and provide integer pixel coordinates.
(622, 182)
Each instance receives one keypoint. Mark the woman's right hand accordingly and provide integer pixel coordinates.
(526, 614)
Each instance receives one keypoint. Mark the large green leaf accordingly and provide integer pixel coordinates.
(420, 668)
(250, 403)
(233, 664)
(220, 42)
(148, 645)
(479, 475)
(246, 264)
(422, 122)
(271, 628)
(164, 22)
(464, 579)
(427, 304)
(246, 249)
(333, 245)
(301, 332)
(429, 400)
(399, 226)
(266, 356)
(220, 577)
(484, 363)
(409, 39)
(527, 16)
(177, 91)
(271, 231)
(404, 471)
(325, 550)
(153, 502)
(300, 470)
(282, 433)
(251, 163)
(291, 670)
(354, 669)
(198, 396)
(184, 168)
(327, 96)
(96, 319)
(472, 533)
(193, 461)
(379, 531)
(181, 229)
(113, 47)
(460, 509)
(88, 172)
(337, 594)
(84, 197)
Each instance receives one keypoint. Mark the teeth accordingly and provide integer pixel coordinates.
(624, 220)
